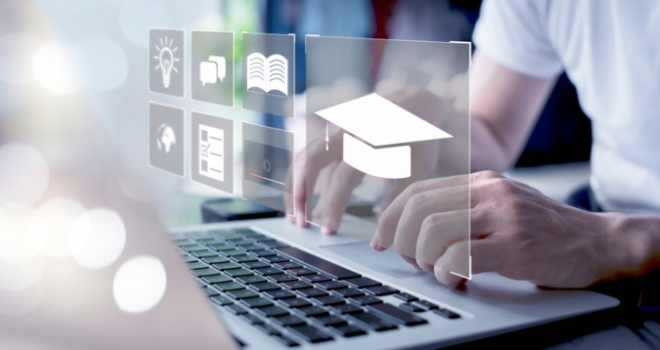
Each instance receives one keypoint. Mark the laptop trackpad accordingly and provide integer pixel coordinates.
(387, 262)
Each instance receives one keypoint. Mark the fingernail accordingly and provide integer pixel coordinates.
(375, 244)
(326, 230)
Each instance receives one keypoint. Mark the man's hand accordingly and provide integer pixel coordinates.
(336, 180)
(515, 231)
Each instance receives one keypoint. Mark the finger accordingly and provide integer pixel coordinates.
(334, 200)
(389, 220)
(487, 255)
(400, 186)
(438, 232)
(309, 164)
(417, 210)
(412, 262)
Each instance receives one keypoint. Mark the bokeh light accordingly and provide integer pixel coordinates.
(24, 174)
(97, 238)
(139, 284)
(55, 69)
(20, 264)
(51, 224)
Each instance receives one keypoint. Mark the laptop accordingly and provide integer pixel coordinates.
(277, 285)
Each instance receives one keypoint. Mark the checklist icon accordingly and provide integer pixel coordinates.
(211, 152)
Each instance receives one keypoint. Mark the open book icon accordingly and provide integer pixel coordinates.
(268, 74)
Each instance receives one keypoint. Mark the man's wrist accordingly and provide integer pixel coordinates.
(634, 244)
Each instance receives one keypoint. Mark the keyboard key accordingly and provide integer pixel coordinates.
(227, 286)
(288, 265)
(348, 292)
(205, 272)
(256, 302)
(196, 248)
(381, 290)
(329, 300)
(310, 334)
(312, 311)
(274, 244)
(226, 266)
(264, 286)
(275, 259)
(406, 297)
(312, 292)
(233, 252)
(204, 253)
(215, 259)
(268, 271)
(243, 258)
(239, 272)
(268, 329)
(348, 331)
(362, 282)
(346, 309)
(197, 265)
(243, 243)
(328, 321)
(251, 279)
(256, 264)
(410, 307)
(264, 253)
(302, 271)
(396, 314)
(189, 258)
(372, 321)
(225, 234)
(288, 320)
(286, 341)
(332, 270)
(279, 294)
(315, 278)
(222, 300)
(253, 247)
(271, 311)
(426, 305)
(282, 278)
(216, 279)
(211, 292)
(242, 294)
(446, 313)
(332, 285)
(197, 234)
(252, 319)
(295, 285)
(235, 309)
(222, 246)
(366, 300)
(295, 302)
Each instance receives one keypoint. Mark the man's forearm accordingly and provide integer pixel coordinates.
(487, 151)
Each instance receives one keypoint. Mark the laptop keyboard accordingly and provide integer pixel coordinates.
(292, 295)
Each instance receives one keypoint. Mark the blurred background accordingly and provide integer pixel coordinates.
(89, 58)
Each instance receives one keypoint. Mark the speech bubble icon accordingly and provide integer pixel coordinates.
(208, 73)
(222, 66)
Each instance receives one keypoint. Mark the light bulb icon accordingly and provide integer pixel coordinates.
(166, 59)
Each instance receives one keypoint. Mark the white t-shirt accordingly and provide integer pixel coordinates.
(610, 50)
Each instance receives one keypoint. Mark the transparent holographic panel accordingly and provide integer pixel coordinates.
(267, 160)
(268, 73)
(382, 115)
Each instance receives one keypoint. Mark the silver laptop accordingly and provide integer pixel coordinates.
(276, 285)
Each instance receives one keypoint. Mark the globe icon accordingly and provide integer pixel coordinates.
(166, 139)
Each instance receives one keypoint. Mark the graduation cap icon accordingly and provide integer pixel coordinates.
(378, 133)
